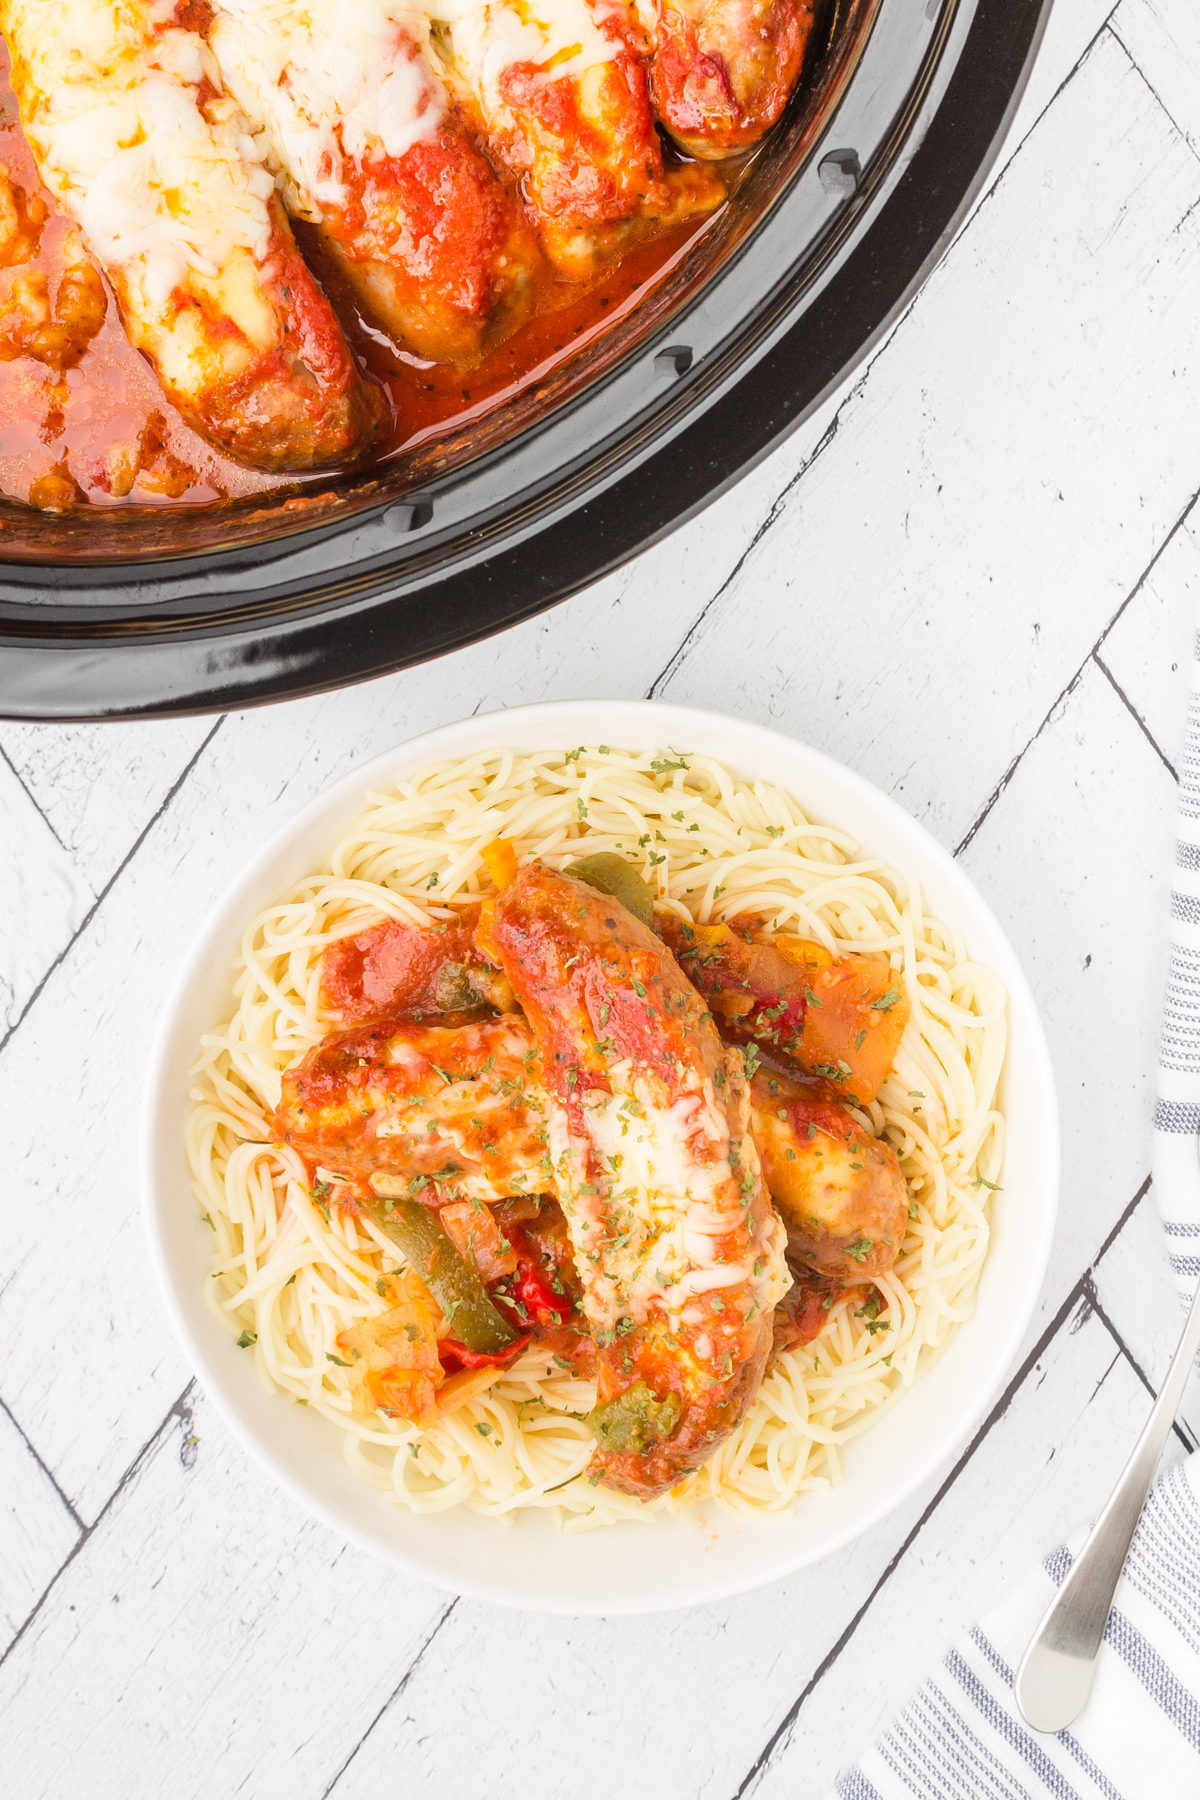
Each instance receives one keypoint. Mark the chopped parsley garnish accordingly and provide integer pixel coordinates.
(662, 765)
(870, 1311)
(861, 1250)
(247, 1338)
(330, 1357)
(889, 1000)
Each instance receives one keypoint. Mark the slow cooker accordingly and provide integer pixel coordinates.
(148, 612)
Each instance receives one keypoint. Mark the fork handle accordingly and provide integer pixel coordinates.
(1057, 1670)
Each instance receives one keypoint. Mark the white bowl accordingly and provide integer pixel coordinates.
(669, 1563)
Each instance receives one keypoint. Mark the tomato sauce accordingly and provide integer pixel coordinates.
(102, 434)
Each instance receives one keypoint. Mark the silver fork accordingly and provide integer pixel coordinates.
(1057, 1670)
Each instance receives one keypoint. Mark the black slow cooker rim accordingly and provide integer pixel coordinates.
(74, 673)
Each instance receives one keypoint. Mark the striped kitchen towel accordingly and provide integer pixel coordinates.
(1138, 1738)
(1176, 1165)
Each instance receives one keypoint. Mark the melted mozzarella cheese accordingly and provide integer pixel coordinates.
(488, 1145)
(666, 1187)
(561, 38)
(326, 83)
(474, 1128)
(111, 107)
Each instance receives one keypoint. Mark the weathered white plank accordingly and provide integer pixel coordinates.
(37, 1532)
(1044, 1469)
(995, 489)
(1163, 38)
(207, 1640)
(1134, 1285)
(1149, 649)
(1075, 857)
(1072, 26)
(684, 1704)
(677, 1704)
(43, 896)
(98, 785)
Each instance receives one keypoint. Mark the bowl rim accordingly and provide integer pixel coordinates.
(666, 721)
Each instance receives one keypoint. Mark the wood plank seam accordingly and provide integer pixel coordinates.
(1134, 63)
(1010, 154)
(1082, 1297)
(394, 1695)
(1106, 25)
(40, 811)
(777, 506)
(111, 882)
(1073, 683)
(47, 1472)
(180, 1410)
(1181, 1432)
(1134, 713)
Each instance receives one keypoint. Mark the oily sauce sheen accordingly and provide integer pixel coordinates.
(89, 425)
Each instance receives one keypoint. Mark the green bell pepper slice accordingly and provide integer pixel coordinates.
(422, 1240)
(611, 874)
(634, 1420)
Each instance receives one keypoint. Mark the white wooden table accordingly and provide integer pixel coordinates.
(974, 577)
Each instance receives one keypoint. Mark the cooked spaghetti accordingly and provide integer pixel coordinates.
(293, 1271)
